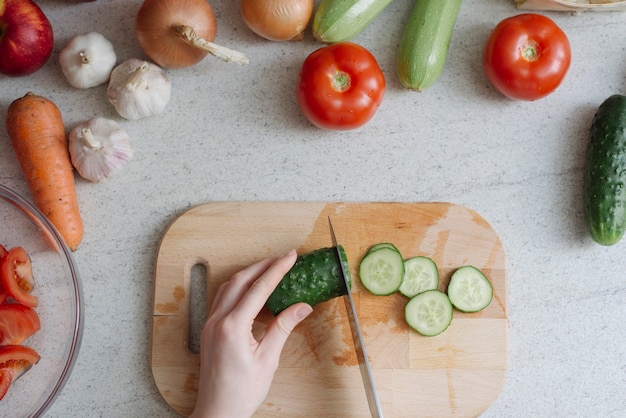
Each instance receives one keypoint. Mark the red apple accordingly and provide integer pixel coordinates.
(26, 37)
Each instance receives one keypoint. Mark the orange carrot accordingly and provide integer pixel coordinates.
(36, 129)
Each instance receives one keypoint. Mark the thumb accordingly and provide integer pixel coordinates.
(279, 330)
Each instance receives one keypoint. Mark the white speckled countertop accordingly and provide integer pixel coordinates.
(236, 133)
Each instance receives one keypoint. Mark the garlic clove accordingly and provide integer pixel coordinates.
(138, 89)
(99, 148)
(87, 60)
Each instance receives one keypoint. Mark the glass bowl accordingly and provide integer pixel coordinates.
(57, 286)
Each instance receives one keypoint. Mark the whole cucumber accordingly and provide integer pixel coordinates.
(424, 45)
(341, 20)
(314, 278)
(604, 192)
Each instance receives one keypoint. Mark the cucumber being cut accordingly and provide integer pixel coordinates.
(420, 274)
(382, 271)
(314, 278)
(429, 313)
(469, 289)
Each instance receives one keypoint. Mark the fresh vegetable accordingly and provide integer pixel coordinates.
(604, 193)
(382, 245)
(277, 20)
(341, 20)
(26, 37)
(420, 274)
(429, 310)
(138, 89)
(382, 270)
(6, 378)
(17, 276)
(469, 289)
(340, 86)
(87, 60)
(178, 33)
(314, 278)
(36, 129)
(424, 44)
(526, 56)
(99, 148)
(429, 313)
(17, 323)
(18, 358)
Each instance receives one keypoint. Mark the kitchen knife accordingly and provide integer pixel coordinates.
(357, 338)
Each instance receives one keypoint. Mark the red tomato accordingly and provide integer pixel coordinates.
(340, 86)
(17, 276)
(6, 377)
(3, 293)
(18, 358)
(17, 323)
(526, 56)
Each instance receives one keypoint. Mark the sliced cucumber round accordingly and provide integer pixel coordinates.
(469, 289)
(382, 271)
(382, 245)
(420, 274)
(429, 313)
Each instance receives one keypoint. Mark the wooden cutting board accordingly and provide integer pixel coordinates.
(458, 373)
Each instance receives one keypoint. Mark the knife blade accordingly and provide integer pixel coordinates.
(357, 337)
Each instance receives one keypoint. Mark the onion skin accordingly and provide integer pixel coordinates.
(156, 28)
(277, 20)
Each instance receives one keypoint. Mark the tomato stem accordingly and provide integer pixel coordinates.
(530, 50)
(341, 81)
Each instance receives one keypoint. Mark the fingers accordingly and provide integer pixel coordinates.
(253, 300)
(230, 292)
(278, 331)
(247, 291)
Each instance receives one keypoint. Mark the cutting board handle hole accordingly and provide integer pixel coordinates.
(197, 305)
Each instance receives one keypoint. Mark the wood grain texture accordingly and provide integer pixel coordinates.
(458, 373)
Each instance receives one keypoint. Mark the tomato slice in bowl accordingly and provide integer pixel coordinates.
(17, 323)
(6, 377)
(18, 358)
(17, 277)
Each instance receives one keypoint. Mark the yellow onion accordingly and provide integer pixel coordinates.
(277, 20)
(179, 33)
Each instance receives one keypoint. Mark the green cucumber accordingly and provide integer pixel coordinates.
(604, 193)
(314, 278)
(429, 313)
(381, 271)
(420, 274)
(469, 289)
(424, 45)
(382, 245)
(341, 20)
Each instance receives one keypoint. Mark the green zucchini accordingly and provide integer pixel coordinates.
(341, 20)
(314, 278)
(424, 45)
(604, 193)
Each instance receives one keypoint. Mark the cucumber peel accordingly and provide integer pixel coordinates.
(314, 278)
(604, 193)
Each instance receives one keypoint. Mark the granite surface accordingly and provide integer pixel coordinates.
(235, 133)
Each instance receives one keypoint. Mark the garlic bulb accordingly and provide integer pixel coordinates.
(138, 89)
(87, 60)
(98, 148)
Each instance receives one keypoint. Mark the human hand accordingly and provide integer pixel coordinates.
(236, 370)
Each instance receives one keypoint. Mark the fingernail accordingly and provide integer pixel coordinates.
(303, 312)
(290, 253)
